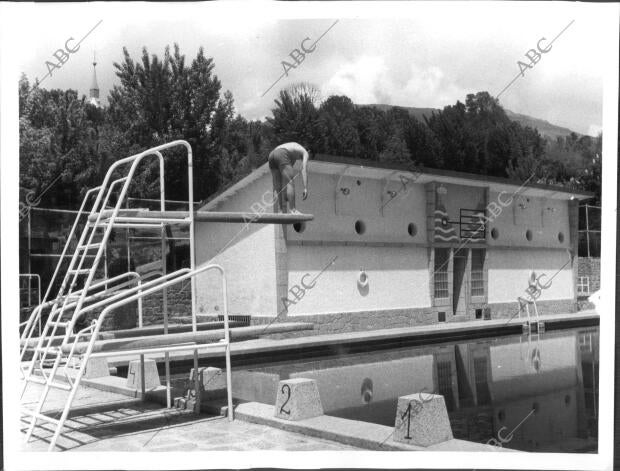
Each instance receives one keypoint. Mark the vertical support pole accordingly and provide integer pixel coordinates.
(162, 201)
(140, 325)
(105, 265)
(29, 241)
(227, 338)
(192, 261)
(587, 231)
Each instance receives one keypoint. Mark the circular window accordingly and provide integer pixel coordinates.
(360, 227)
(495, 233)
(299, 227)
(412, 230)
(567, 400)
(359, 182)
(561, 237)
(528, 235)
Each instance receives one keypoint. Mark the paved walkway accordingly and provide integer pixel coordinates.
(118, 424)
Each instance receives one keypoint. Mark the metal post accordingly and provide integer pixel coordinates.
(192, 261)
(162, 203)
(587, 231)
(29, 242)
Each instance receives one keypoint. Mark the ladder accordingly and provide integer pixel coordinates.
(36, 315)
(56, 345)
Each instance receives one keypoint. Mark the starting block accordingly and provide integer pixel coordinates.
(298, 399)
(97, 368)
(422, 420)
(134, 375)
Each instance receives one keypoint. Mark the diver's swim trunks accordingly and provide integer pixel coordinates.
(280, 157)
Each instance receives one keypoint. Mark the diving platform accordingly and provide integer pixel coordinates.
(180, 217)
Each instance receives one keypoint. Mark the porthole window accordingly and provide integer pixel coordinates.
(359, 182)
(299, 227)
(412, 230)
(360, 227)
(528, 235)
(501, 415)
(561, 237)
(567, 400)
(495, 233)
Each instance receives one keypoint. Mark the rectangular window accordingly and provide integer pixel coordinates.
(442, 257)
(477, 272)
(583, 285)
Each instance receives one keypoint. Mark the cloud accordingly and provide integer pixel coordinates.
(370, 80)
(594, 129)
(364, 81)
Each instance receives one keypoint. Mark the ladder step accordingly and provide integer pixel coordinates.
(48, 349)
(31, 413)
(81, 271)
(94, 245)
(59, 324)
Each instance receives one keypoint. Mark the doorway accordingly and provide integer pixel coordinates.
(459, 293)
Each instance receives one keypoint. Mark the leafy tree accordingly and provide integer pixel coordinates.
(337, 122)
(296, 119)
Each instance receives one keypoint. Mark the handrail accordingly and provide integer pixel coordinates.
(106, 311)
(27, 333)
(146, 292)
(79, 292)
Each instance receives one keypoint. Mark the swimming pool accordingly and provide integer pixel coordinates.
(531, 393)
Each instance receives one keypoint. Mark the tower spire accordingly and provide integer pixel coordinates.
(94, 87)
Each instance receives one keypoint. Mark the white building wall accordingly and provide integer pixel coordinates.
(247, 254)
(397, 278)
(509, 271)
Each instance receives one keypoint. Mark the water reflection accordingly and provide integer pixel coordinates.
(489, 385)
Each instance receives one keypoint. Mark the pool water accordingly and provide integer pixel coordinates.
(536, 392)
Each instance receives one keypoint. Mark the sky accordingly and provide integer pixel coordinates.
(408, 54)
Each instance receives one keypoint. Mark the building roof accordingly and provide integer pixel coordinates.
(336, 165)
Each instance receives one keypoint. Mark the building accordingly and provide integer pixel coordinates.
(389, 247)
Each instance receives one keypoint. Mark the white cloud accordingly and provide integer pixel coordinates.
(594, 129)
(370, 80)
(364, 81)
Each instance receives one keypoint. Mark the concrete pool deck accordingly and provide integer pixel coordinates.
(116, 423)
(435, 333)
(105, 421)
(365, 435)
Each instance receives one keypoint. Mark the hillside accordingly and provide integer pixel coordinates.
(545, 128)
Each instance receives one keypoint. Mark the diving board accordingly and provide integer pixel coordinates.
(171, 217)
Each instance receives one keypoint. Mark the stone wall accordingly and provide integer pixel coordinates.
(179, 304)
(126, 317)
(590, 267)
(374, 320)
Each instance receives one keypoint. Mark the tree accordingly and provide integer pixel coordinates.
(296, 119)
(58, 143)
(337, 122)
(161, 100)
